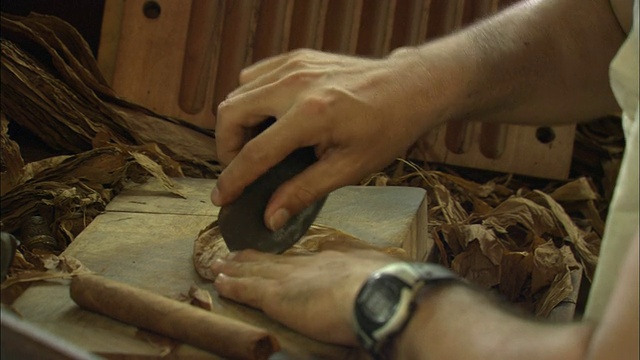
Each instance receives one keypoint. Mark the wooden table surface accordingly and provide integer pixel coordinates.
(146, 236)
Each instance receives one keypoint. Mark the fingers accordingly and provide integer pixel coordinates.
(247, 290)
(256, 157)
(267, 66)
(235, 116)
(326, 175)
(262, 67)
(251, 263)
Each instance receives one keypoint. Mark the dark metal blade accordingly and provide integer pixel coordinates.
(242, 222)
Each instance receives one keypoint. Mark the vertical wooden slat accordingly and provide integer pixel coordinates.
(458, 136)
(237, 43)
(376, 26)
(201, 54)
(410, 23)
(506, 3)
(341, 26)
(171, 70)
(307, 24)
(154, 78)
(272, 30)
(492, 139)
(110, 37)
(477, 9)
(445, 16)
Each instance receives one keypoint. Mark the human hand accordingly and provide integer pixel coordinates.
(313, 294)
(358, 113)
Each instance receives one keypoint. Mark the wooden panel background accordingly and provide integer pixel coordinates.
(182, 57)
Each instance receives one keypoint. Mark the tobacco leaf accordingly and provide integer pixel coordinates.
(77, 187)
(560, 290)
(200, 298)
(473, 265)
(63, 99)
(518, 267)
(51, 267)
(576, 190)
(506, 235)
(11, 160)
(209, 246)
(587, 254)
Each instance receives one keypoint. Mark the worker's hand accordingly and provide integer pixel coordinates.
(313, 294)
(359, 114)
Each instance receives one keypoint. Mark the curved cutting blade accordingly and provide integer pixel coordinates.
(242, 222)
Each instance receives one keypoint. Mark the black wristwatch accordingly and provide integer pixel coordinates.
(387, 300)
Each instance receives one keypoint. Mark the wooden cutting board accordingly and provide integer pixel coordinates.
(145, 238)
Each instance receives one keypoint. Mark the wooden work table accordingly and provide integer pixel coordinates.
(146, 236)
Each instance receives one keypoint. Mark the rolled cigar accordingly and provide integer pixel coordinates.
(195, 326)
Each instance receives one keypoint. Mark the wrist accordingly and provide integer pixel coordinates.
(410, 342)
(432, 80)
(386, 302)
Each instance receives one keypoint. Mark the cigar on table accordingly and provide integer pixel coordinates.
(195, 326)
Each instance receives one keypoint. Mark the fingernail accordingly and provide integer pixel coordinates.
(278, 219)
(220, 279)
(215, 196)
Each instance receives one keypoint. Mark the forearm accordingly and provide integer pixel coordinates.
(542, 61)
(456, 322)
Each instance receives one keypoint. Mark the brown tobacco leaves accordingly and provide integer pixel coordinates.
(82, 142)
(504, 236)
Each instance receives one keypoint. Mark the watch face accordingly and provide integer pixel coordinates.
(378, 301)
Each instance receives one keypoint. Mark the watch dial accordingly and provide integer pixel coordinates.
(381, 299)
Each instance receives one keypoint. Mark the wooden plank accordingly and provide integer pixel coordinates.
(236, 52)
(380, 215)
(134, 242)
(376, 26)
(273, 28)
(410, 23)
(307, 24)
(201, 54)
(445, 16)
(342, 26)
(144, 73)
(522, 152)
(110, 37)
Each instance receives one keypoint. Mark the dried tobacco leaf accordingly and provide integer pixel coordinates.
(512, 239)
(53, 268)
(209, 246)
(64, 100)
(78, 187)
(562, 287)
(11, 159)
(584, 252)
(517, 268)
(473, 265)
(200, 298)
(576, 190)
(517, 211)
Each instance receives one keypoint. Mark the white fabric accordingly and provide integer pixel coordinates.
(622, 222)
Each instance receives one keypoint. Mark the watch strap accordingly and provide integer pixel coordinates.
(404, 280)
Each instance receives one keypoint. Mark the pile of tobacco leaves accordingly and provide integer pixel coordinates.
(70, 144)
(533, 241)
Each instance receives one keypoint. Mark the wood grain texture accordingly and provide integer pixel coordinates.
(201, 54)
(186, 61)
(146, 237)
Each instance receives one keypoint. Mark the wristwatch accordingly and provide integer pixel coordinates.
(387, 300)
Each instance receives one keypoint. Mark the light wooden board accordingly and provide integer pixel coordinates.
(146, 239)
(184, 63)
